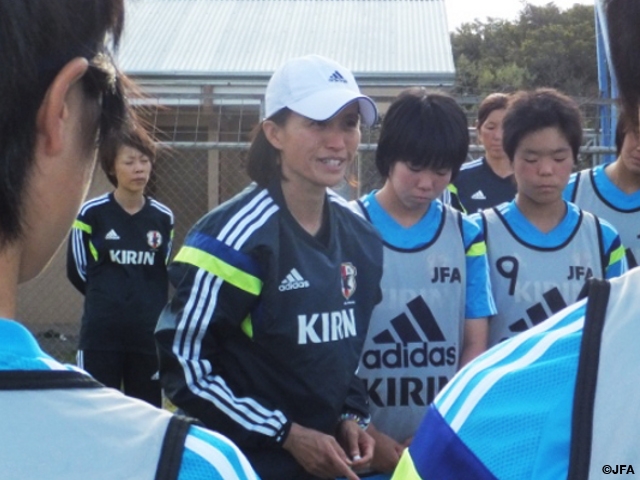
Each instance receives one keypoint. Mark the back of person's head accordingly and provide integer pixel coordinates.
(623, 24)
(492, 102)
(312, 86)
(133, 135)
(37, 39)
(535, 110)
(426, 129)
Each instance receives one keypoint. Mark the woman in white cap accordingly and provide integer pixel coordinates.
(275, 288)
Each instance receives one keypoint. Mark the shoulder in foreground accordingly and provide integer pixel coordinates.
(514, 355)
(630, 279)
(215, 456)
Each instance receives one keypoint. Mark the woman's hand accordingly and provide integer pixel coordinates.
(358, 444)
(387, 451)
(320, 454)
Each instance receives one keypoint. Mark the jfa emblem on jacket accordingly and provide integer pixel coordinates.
(348, 274)
(154, 238)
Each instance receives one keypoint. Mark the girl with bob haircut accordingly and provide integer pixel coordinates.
(117, 258)
(435, 267)
(541, 248)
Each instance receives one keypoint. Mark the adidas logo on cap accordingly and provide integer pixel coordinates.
(317, 88)
(337, 77)
(293, 281)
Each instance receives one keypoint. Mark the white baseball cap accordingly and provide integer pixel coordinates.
(317, 88)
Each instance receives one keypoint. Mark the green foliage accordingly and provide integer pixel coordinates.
(545, 47)
(504, 78)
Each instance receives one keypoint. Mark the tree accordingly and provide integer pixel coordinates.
(544, 47)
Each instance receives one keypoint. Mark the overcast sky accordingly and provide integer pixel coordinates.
(463, 11)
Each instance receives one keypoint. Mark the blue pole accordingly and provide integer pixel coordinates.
(606, 83)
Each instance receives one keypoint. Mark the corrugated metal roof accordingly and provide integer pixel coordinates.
(250, 38)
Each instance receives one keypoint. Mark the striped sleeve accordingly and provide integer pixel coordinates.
(614, 253)
(522, 392)
(479, 297)
(80, 250)
(220, 260)
(447, 458)
(170, 246)
(171, 222)
(519, 394)
(211, 456)
(218, 283)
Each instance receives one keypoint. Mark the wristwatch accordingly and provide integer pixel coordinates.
(363, 422)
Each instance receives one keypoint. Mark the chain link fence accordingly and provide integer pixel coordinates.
(203, 142)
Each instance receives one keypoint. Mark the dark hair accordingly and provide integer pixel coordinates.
(623, 19)
(263, 159)
(494, 101)
(425, 129)
(37, 39)
(133, 135)
(531, 111)
(623, 127)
